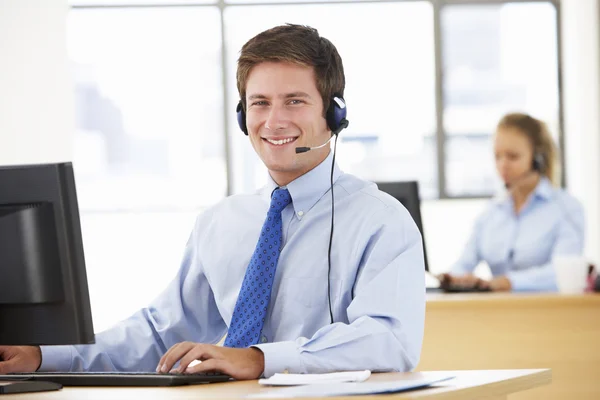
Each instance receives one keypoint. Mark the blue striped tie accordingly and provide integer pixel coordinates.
(252, 303)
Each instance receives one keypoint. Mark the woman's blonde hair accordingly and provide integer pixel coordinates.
(544, 149)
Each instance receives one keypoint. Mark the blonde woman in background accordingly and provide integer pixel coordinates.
(520, 233)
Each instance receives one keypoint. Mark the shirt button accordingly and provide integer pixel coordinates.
(300, 213)
(263, 339)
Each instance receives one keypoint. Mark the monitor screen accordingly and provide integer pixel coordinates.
(407, 193)
(44, 297)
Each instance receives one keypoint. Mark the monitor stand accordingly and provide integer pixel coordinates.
(10, 387)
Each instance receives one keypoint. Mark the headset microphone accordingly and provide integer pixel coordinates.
(305, 149)
(342, 124)
(522, 177)
(537, 166)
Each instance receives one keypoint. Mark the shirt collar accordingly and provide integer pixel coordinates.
(307, 189)
(542, 191)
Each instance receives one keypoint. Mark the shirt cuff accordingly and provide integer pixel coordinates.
(56, 358)
(527, 281)
(281, 357)
(517, 282)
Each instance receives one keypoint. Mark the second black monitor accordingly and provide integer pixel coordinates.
(407, 193)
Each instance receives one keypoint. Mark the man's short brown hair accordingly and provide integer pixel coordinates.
(296, 44)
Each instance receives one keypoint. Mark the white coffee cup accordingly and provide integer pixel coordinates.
(571, 273)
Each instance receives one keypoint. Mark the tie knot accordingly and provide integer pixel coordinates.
(280, 198)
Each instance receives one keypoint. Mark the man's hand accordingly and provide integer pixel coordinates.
(19, 359)
(238, 363)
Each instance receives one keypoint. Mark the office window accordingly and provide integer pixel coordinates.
(497, 58)
(149, 108)
(149, 147)
(388, 55)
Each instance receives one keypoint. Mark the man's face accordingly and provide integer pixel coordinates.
(284, 110)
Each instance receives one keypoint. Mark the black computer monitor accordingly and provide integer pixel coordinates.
(44, 297)
(407, 193)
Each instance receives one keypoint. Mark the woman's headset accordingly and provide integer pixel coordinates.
(538, 163)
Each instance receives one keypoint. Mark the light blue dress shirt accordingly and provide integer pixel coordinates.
(377, 286)
(521, 246)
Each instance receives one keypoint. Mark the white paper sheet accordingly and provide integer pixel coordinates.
(346, 389)
(308, 379)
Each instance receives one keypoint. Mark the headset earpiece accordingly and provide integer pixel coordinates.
(336, 114)
(241, 117)
(538, 163)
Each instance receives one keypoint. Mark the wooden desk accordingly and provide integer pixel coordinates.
(468, 385)
(497, 331)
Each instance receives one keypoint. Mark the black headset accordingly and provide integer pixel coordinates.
(538, 163)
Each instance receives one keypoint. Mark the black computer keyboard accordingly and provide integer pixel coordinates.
(118, 378)
(464, 289)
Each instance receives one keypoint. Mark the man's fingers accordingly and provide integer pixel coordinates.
(199, 352)
(19, 359)
(3, 351)
(162, 360)
(173, 355)
(6, 364)
(237, 363)
(9, 366)
(212, 364)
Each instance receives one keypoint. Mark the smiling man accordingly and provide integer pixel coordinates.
(267, 270)
(285, 111)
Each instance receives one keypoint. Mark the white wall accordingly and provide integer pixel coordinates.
(36, 98)
(581, 70)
